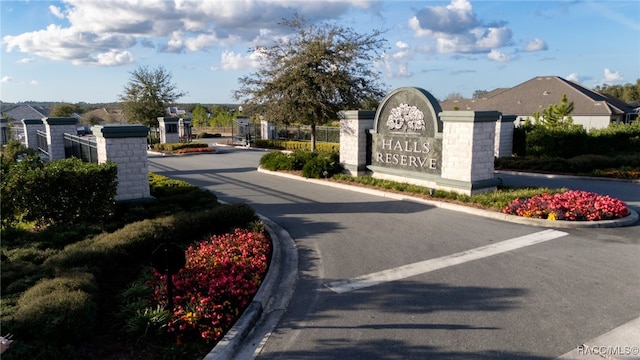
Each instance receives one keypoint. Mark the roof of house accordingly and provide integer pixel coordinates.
(23, 111)
(108, 116)
(537, 94)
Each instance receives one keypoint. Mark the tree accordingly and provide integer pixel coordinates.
(199, 116)
(63, 110)
(147, 94)
(310, 77)
(479, 94)
(556, 115)
(627, 92)
(454, 96)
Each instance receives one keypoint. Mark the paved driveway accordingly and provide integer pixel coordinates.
(535, 300)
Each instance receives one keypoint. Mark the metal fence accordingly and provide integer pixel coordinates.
(43, 145)
(84, 148)
(328, 134)
(17, 134)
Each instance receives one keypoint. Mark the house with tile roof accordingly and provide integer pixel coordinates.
(17, 113)
(591, 109)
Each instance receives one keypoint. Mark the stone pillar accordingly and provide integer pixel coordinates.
(268, 131)
(504, 136)
(56, 128)
(4, 132)
(126, 145)
(168, 128)
(353, 140)
(184, 129)
(468, 139)
(31, 126)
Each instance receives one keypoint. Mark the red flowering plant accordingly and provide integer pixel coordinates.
(572, 205)
(219, 280)
(195, 150)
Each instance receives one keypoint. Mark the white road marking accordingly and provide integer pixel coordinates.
(426, 266)
(622, 342)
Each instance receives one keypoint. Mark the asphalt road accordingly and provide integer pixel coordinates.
(532, 302)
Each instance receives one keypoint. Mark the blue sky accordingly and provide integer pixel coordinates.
(84, 50)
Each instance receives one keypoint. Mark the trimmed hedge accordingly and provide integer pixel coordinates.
(567, 142)
(178, 146)
(295, 145)
(61, 192)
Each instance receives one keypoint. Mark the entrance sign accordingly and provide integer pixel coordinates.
(407, 134)
(411, 140)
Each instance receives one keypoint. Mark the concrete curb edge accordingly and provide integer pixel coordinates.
(626, 221)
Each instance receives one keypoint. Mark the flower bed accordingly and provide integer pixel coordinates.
(219, 280)
(573, 205)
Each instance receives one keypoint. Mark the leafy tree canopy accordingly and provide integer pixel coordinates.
(309, 77)
(147, 94)
(627, 92)
(63, 110)
(556, 115)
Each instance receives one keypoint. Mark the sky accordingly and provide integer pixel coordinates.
(85, 50)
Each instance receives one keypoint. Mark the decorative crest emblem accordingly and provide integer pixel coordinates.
(405, 117)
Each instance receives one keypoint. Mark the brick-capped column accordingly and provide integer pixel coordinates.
(168, 127)
(504, 136)
(56, 128)
(353, 140)
(4, 132)
(468, 150)
(126, 145)
(268, 131)
(31, 126)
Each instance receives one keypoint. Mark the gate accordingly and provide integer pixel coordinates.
(83, 148)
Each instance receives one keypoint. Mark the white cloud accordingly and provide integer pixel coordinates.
(56, 11)
(498, 56)
(230, 60)
(6, 79)
(112, 58)
(105, 32)
(573, 77)
(456, 29)
(395, 64)
(34, 83)
(26, 60)
(535, 45)
(612, 76)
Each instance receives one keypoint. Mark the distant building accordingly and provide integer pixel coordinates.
(591, 109)
(173, 111)
(22, 111)
(106, 116)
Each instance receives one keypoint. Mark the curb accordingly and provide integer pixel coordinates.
(625, 221)
(272, 297)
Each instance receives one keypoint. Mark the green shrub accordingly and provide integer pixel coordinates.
(61, 310)
(323, 165)
(276, 160)
(563, 142)
(206, 135)
(64, 192)
(314, 164)
(301, 157)
(295, 145)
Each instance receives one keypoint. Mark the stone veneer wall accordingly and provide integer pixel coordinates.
(31, 127)
(504, 136)
(353, 140)
(56, 128)
(126, 145)
(468, 150)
